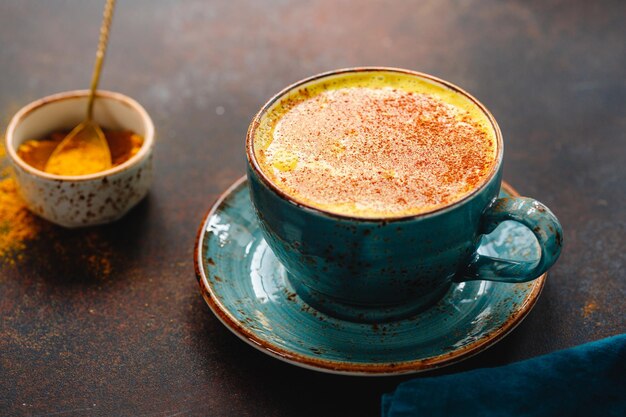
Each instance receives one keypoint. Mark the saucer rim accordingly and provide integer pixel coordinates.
(345, 367)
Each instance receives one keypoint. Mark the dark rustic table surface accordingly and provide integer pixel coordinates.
(109, 321)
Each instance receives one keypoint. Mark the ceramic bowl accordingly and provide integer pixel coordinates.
(86, 200)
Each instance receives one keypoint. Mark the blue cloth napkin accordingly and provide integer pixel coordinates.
(587, 380)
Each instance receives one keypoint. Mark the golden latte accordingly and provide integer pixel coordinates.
(375, 144)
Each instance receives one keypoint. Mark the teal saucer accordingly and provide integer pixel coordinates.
(246, 287)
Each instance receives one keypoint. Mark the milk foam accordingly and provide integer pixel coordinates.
(376, 144)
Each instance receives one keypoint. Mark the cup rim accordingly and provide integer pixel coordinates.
(253, 163)
(72, 95)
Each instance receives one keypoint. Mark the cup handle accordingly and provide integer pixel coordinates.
(536, 217)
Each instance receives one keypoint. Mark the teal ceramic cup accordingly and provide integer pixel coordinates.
(376, 270)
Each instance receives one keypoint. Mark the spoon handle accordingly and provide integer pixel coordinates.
(102, 46)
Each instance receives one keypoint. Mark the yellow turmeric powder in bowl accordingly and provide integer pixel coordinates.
(123, 144)
(91, 198)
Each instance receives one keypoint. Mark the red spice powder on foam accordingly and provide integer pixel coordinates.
(378, 152)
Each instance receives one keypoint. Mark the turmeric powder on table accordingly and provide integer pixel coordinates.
(17, 224)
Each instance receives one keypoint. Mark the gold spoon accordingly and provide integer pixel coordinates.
(85, 149)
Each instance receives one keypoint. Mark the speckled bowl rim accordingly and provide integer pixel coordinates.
(19, 117)
(348, 368)
(256, 168)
